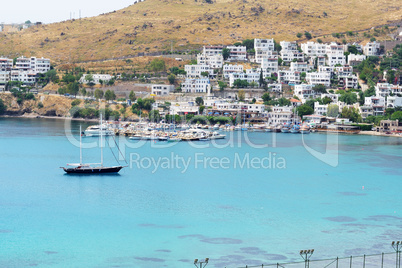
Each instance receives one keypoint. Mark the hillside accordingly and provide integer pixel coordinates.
(156, 25)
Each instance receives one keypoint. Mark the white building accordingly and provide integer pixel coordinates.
(6, 64)
(263, 49)
(270, 65)
(354, 60)
(200, 85)
(96, 78)
(304, 92)
(249, 77)
(289, 45)
(280, 115)
(290, 55)
(34, 64)
(313, 49)
(235, 107)
(343, 71)
(326, 69)
(229, 69)
(237, 53)
(183, 108)
(385, 89)
(277, 87)
(320, 109)
(4, 78)
(376, 103)
(162, 90)
(194, 71)
(289, 77)
(26, 77)
(212, 50)
(290, 52)
(348, 81)
(299, 67)
(215, 62)
(335, 54)
(317, 78)
(393, 101)
(371, 49)
(40, 65)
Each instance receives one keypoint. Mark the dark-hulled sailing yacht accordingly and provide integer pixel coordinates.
(93, 168)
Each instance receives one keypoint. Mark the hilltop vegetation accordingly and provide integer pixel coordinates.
(159, 25)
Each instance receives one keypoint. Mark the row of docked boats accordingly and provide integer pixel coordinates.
(151, 131)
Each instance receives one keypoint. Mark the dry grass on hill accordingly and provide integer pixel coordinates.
(155, 25)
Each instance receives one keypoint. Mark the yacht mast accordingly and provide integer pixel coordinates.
(101, 140)
(80, 146)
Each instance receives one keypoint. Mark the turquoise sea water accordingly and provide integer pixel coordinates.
(168, 216)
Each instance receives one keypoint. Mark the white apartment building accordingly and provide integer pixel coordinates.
(162, 90)
(326, 69)
(194, 71)
(6, 64)
(228, 69)
(320, 109)
(288, 45)
(96, 78)
(317, 78)
(270, 65)
(385, 89)
(393, 101)
(265, 72)
(4, 78)
(289, 77)
(26, 77)
(215, 61)
(304, 92)
(354, 60)
(183, 108)
(377, 105)
(348, 81)
(277, 87)
(371, 49)
(199, 85)
(299, 67)
(41, 65)
(263, 49)
(290, 52)
(344, 71)
(23, 64)
(237, 53)
(249, 77)
(212, 50)
(280, 115)
(313, 49)
(335, 54)
(290, 55)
